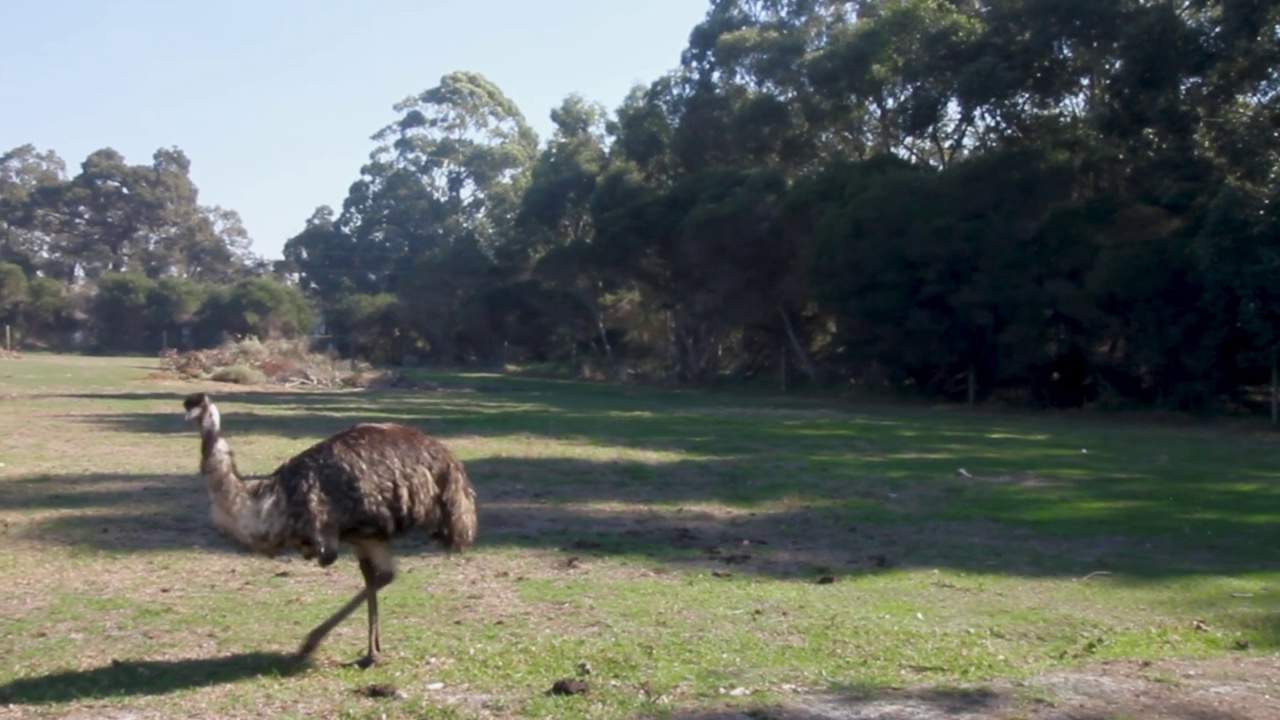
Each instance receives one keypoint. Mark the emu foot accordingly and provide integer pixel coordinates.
(366, 661)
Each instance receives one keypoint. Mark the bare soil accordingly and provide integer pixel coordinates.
(1234, 688)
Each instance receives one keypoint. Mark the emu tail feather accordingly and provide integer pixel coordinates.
(457, 524)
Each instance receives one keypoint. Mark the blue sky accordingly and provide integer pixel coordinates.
(274, 100)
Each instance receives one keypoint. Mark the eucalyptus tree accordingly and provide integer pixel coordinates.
(444, 182)
(24, 171)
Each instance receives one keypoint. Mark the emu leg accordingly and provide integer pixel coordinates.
(375, 645)
(378, 570)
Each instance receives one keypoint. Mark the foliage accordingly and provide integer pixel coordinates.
(368, 326)
(15, 291)
(119, 255)
(258, 306)
(115, 312)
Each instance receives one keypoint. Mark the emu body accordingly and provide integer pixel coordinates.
(362, 486)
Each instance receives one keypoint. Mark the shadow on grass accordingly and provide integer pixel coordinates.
(702, 516)
(644, 417)
(920, 704)
(708, 514)
(127, 678)
(830, 488)
(728, 514)
(116, 511)
(975, 704)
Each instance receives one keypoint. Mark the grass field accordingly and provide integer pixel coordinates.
(707, 555)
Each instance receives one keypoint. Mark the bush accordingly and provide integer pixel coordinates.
(239, 374)
(259, 306)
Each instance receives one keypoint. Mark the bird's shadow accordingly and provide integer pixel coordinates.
(127, 678)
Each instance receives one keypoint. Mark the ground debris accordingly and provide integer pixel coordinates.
(380, 690)
(878, 560)
(290, 363)
(569, 686)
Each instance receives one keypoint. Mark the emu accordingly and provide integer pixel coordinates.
(362, 486)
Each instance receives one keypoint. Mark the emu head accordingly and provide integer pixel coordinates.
(200, 408)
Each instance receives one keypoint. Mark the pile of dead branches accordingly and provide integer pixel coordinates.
(274, 362)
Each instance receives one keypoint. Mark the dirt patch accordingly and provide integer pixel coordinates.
(1232, 688)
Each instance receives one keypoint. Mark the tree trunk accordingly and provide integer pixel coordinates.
(782, 372)
(1275, 386)
(675, 339)
(802, 357)
(973, 384)
(604, 337)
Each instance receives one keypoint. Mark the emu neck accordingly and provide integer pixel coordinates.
(239, 508)
(217, 462)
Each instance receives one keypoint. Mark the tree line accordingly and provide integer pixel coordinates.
(123, 258)
(1054, 201)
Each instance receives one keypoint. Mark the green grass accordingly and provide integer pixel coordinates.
(670, 539)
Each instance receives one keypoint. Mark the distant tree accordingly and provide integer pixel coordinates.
(24, 172)
(49, 316)
(118, 313)
(14, 292)
(257, 306)
(116, 217)
(174, 306)
(369, 326)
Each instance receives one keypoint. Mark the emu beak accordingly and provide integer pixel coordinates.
(192, 414)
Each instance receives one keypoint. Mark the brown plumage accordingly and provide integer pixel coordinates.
(363, 486)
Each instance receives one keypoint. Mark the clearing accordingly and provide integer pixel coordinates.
(691, 555)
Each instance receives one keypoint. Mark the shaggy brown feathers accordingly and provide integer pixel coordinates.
(363, 486)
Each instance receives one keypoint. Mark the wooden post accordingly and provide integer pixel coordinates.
(164, 340)
(8, 339)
